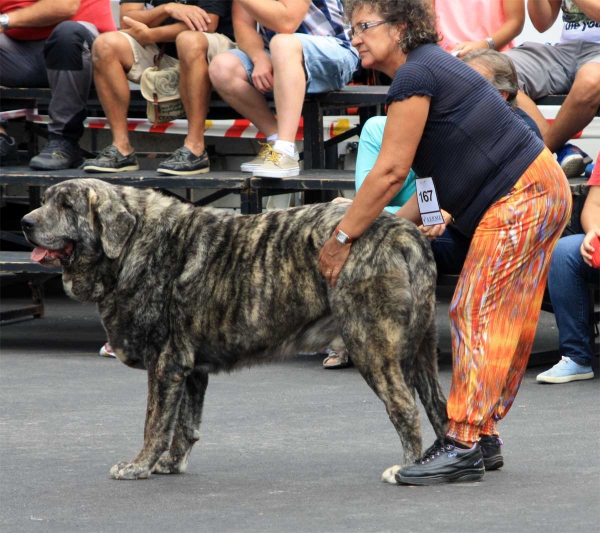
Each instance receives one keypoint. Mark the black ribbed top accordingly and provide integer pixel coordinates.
(474, 146)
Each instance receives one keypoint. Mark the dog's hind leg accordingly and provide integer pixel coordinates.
(383, 374)
(187, 429)
(427, 383)
(166, 384)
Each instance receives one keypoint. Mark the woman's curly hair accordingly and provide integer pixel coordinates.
(417, 15)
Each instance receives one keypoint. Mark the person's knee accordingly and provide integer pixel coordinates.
(107, 46)
(223, 69)
(285, 48)
(65, 45)
(586, 87)
(191, 45)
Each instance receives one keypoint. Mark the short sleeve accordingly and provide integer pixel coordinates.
(411, 79)
(216, 7)
(595, 177)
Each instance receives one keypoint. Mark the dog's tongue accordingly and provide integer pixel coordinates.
(39, 253)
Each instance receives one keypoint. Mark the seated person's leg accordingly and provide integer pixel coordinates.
(567, 285)
(231, 74)
(116, 57)
(67, 55)
(195, 51)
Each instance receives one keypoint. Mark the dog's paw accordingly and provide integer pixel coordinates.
(167, 465)
(129, 471)
(389, 476)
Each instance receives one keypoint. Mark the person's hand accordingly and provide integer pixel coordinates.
(262, 75)
(469, 46)
(195, 18)
(138, 30)
(432, 232)
(332, 259)
(587, 249)
(341, 200)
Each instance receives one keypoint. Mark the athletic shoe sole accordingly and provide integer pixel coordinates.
(247, 167)
(290, 173)
(573, 166)
(183, 173)
(565, 379)
(493, 463)
(462, 476)
(75, 164)
(91, 168)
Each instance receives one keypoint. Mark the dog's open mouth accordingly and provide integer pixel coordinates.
(47, 257)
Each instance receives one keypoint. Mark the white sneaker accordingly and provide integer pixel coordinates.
(278, 165)
(252, 165)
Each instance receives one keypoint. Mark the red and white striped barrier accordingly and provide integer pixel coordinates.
(233, 129)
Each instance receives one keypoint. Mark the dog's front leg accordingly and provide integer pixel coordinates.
(166, 382)
(187, 429)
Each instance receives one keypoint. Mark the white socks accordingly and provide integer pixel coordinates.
(286, 148)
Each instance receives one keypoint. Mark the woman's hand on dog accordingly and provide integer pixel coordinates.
(332, 259)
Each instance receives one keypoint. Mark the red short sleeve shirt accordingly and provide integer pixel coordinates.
(96, 12)
(595, 177)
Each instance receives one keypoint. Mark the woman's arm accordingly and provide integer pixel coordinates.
(543, 13)
(401, 137)
(514, 14)
(403, 131)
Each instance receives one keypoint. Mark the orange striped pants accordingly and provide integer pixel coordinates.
(496, 306)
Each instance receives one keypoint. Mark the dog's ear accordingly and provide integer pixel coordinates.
(117, 224)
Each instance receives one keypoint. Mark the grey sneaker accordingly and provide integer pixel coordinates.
(58, 154)
(8, 150)
(111, 160)
(184, 162)
(278, 165)
(252, 165)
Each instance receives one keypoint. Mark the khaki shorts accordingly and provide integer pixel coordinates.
(143, 56)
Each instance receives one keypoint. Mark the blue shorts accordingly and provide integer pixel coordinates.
(328, 65)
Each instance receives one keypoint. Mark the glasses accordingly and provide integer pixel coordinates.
(364, 26)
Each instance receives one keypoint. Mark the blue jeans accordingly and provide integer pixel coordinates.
(568, 287)
(327, 64)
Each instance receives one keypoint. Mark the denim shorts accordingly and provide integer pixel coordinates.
(328, 65)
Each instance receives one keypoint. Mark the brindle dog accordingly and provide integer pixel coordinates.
(185, 291)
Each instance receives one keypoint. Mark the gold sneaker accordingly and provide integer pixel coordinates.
(278, 165)
(251, 166)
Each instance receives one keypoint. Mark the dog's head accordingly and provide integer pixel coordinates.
(81, 223)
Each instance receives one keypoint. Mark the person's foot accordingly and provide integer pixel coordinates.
(58, 154)
(107, 351)
(491, 450)
(253, 164)
(564, 371)
(278, 165)
(337, 360)
(8, 150)
(572, 160)
(444, 462)
(589, 169)
(184, 162)
(111, 160)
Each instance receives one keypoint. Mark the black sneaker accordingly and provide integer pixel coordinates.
(184, 162)
(58, 154)
(444, 463)
(490, 449)
(111, 160)
(8, 150)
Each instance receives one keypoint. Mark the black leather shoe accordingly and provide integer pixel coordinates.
(8, 150)
(184, 162)
(444, 463)
(111, 160)
(491, 450)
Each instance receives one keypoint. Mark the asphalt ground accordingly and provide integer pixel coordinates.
(285, 448)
